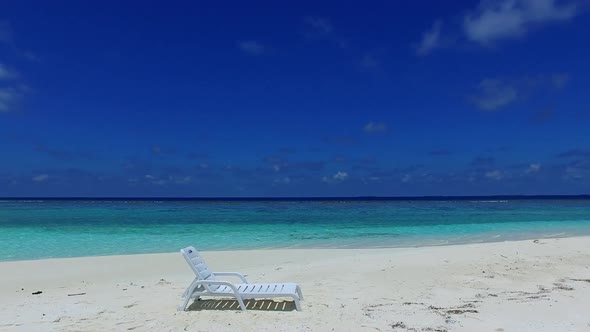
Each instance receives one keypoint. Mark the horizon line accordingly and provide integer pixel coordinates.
(262, 198)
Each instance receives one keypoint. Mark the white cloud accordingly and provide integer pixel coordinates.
(251, 47)
(30, 56)
(6, 73)
(375, 127)
(495, 175)
(6, 37)
(369, 62)
(430, 39)
(371, 179)
(9, 97)
(285, 180)
(163, 180)
(338, 177)
(318, 26)
(341, 176)
(509, 19)
(5, 32)
(559, 80)
(40, 178)
(494, 94)
(573, 173)
(182, 180)
(533, 168)
(11, 91)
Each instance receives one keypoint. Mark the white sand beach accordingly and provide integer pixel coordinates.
(541, 285)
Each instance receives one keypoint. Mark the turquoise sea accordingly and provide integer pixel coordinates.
(34, 229)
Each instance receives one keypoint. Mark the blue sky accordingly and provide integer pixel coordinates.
(185, 98)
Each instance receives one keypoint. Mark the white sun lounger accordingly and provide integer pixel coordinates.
(206, 284)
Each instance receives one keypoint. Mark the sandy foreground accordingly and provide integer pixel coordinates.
(530, 285)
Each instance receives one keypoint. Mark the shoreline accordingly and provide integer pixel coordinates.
(524, 285)
(466, 243)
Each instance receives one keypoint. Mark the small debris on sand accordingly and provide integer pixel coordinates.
(399, 325)
(583, 280)
(461, 311)
(163, 282)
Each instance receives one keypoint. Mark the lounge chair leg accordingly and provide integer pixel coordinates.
(241, 302)
(297, 305)
(298, 289)
(184, 303)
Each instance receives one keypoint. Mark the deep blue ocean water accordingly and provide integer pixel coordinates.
(41, 228)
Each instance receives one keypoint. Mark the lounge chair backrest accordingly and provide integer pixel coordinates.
(198, 265)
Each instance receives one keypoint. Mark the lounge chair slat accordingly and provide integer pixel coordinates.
(205, 275)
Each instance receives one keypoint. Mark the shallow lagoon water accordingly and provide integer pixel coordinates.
(37, 229)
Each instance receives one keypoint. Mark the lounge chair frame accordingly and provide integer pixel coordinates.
(207, 284)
